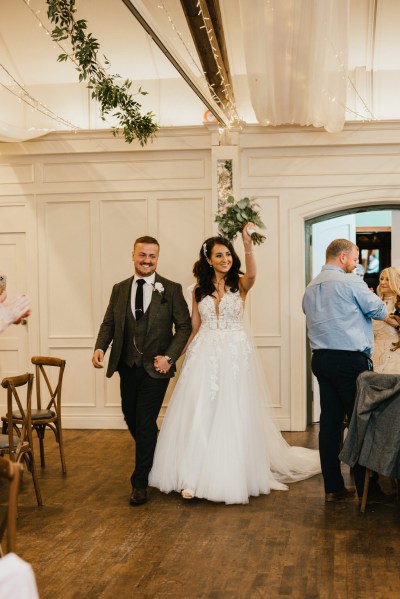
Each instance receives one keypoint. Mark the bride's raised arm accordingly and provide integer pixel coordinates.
(249, 278)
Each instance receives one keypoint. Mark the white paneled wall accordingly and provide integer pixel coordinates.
(82, 217)
(66, 270)
(71, 206)
(14, 345)
(298, 174)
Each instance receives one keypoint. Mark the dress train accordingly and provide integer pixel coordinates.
(218, 437)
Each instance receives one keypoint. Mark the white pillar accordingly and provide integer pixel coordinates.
(396, 238)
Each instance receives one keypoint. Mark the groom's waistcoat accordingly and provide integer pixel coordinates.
(134, 336)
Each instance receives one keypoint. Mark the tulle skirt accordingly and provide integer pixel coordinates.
(218, 438)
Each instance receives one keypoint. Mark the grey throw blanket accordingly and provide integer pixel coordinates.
(373, 438)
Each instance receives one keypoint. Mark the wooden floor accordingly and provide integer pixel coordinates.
(86, 542)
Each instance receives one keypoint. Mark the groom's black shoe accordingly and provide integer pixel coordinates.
(138, 497)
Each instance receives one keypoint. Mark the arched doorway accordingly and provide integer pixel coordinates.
(373, 234)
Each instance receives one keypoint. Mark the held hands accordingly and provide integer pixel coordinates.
(98, 358)
(161, 365)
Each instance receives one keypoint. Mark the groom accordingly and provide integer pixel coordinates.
(148, 323)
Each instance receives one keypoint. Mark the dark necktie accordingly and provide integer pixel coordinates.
(139, 299)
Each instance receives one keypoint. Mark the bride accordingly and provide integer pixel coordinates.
(218, 440)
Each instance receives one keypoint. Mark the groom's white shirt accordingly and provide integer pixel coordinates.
(148, 289)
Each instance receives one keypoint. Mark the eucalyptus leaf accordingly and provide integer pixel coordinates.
(231, 222)
(242, 203)
(106, 91)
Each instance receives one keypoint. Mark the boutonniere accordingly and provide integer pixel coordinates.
(159, 287)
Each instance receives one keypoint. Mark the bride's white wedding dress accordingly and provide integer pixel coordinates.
(218, 438)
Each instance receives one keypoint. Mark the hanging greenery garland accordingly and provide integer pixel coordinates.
(113, 98)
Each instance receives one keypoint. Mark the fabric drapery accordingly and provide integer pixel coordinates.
(296, 60)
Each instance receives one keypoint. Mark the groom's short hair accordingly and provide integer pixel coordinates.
(145, 239)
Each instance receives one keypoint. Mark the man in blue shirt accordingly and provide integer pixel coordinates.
(339, 307)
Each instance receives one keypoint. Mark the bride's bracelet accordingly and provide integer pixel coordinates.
(249, 252)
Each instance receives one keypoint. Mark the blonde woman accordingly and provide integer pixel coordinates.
(386, 332)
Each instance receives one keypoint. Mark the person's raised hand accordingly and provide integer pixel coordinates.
(13, 310)
(245, 234)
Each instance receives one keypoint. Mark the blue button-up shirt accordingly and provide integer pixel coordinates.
(339, 308)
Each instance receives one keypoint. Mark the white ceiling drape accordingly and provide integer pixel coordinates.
(296, 60)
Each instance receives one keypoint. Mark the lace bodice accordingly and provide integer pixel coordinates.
(229, 316)
(221, 334)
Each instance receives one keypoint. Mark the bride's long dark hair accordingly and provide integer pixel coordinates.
(205, 274)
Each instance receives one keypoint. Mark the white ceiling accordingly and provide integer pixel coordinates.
(28, 59)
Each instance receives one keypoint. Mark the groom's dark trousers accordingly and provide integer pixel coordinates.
(141, 397)
(162, 331)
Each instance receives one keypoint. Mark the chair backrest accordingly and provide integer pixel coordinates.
(43, 364)
(11, 472)
(13, 384)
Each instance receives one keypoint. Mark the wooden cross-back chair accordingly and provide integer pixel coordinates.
(47, 413)
(49, 416)
(21, 446)
(48, 397)
(11, 473)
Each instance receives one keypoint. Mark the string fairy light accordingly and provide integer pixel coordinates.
(24, 96)
(46, 30)
(228, 105)
(372, 117)
(350, 81)
(48, 33)
(192, 58)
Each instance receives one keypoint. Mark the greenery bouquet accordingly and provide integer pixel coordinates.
(233, 216)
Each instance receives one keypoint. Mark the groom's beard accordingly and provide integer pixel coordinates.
(145, 269)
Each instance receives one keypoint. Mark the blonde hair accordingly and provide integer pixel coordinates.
(336, 247)
(393, 274)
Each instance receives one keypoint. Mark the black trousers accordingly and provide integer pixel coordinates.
(337, 372)
(141, 397)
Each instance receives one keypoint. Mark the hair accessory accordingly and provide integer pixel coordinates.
(205, 249)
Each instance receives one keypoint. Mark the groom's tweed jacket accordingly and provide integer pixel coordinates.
(373, 438)
(168, 325)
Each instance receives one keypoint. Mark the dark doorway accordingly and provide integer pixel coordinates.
(375, 254)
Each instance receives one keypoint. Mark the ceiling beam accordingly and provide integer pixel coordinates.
(205, 24)
(140, 12)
